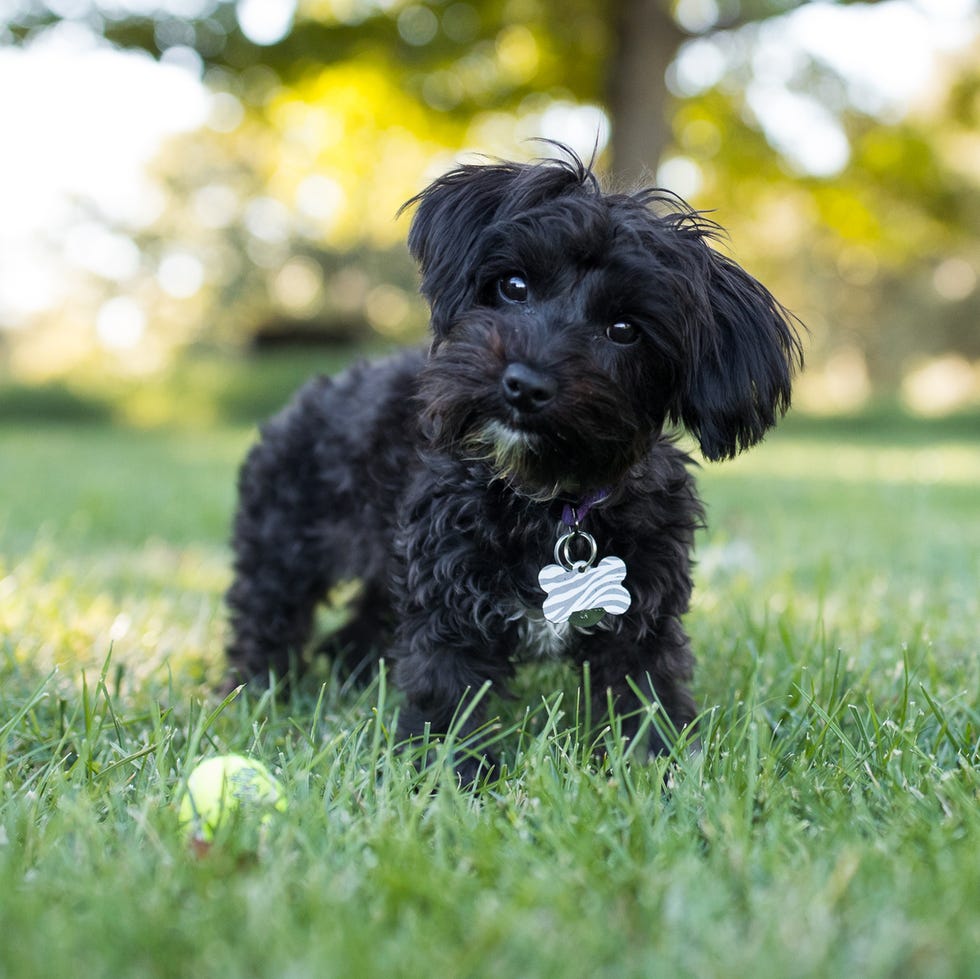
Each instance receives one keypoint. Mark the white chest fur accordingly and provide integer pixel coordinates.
(539, 638)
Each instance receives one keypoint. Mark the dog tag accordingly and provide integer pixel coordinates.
(582, 594)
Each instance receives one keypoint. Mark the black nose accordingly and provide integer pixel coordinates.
(527, 389)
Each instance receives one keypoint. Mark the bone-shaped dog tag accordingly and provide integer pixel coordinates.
(582, 594)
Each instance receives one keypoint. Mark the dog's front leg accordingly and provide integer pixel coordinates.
(450, 644)
(658, 666)
(455, 627)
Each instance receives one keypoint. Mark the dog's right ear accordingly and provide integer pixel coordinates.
(452, 213)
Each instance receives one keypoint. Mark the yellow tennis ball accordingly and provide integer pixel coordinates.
(228, 787)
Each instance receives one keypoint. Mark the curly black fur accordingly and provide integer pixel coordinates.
(570, 328)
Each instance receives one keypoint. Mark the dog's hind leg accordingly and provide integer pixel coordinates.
(357, 645)
(282, 561)
(317, 506)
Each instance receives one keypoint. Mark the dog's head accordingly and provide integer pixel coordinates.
(570, 326)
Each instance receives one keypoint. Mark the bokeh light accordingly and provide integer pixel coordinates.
(208, 173)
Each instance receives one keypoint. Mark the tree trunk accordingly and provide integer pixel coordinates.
(646, 42)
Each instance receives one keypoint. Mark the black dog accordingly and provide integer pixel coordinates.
(473, 489)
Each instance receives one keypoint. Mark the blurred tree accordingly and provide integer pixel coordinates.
(880, 256)
(328, 113)
(453, 56)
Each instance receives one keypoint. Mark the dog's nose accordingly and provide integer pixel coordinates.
(527, 389)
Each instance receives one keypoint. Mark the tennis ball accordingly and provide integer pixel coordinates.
(225, 788)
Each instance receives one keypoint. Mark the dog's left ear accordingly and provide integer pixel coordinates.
(744, 351)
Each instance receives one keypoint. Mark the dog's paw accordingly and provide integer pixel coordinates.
(475, 771)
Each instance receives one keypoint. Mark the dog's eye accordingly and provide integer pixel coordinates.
(622, 332)
(513, 288)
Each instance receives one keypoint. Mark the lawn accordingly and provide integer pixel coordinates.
(829, 826)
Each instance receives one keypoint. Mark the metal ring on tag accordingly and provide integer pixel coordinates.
(563, 558)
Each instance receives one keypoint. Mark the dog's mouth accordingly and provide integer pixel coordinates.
(543, 464)
(512, 451)
(543, 455)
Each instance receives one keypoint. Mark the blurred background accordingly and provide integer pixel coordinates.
(192, 189)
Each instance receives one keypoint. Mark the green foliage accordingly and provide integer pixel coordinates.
(208, 387)
(53, 401)
(418, 43)
(828, 826)
(288, 195)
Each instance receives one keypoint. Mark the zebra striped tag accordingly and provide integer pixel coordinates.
(581, 595)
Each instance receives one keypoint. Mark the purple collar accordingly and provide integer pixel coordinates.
(572, 516)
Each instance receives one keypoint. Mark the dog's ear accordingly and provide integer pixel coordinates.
(451, 214)
(744, 350)
(454, 211)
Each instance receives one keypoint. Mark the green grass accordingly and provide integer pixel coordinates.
(830, 825)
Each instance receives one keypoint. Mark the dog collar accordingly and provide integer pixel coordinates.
(572, 516)
(581, 592)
